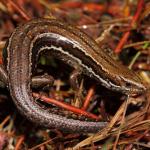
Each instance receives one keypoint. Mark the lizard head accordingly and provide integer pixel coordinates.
(130, 83)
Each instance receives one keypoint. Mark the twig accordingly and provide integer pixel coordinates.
(134, 59)
(44, 143)
(19, 142)
(88, 98)
(132, 25)
(18, 9)
(66, 106)
(103, 133)
(121, 124)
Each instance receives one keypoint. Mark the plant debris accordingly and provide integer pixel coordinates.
(122, 28)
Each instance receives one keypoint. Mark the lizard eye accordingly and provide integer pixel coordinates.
(128, 85)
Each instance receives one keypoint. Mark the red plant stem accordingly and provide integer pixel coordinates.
(66, 106)
(1, 62)
(133, 22)
(19, 142)
(88, 98)
(19, 10)
(71, 5)
(42, 147)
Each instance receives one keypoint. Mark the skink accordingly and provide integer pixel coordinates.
(73, 47)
